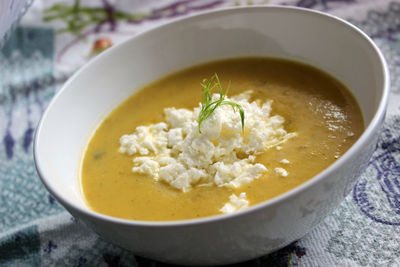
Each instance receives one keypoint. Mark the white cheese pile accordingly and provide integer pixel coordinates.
(235, 203)
(176, 152)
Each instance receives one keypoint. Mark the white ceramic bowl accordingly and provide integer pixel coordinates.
(318, 39)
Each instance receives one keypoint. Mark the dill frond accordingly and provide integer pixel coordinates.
(208, 106)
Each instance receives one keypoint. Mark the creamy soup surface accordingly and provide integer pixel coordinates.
(317, 107)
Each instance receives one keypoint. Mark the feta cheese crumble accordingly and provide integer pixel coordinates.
(176, 152)
(282, 172)
(284, 161)
(235, 203)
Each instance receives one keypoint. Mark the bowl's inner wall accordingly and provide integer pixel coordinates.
(321, 41)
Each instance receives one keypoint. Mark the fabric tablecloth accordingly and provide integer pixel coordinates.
(55, 38)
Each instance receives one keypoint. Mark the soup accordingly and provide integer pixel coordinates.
(321, 115)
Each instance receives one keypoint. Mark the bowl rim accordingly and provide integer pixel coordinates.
(367, 133)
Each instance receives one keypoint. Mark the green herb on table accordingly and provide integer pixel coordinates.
(208, 106)
(77, 17)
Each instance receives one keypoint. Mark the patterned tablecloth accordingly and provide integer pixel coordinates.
(55, 38)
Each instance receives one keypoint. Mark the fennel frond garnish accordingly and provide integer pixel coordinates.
(208, 106)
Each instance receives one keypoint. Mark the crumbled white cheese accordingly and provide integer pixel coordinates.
(284, 161)
(176, 152)
(278, 147)
(235, 203)
(281, 171)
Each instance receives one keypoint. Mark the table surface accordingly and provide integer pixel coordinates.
(46, 49)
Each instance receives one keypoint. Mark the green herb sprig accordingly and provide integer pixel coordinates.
(208, 106)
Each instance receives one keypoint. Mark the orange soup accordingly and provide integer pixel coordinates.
(315, 106)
